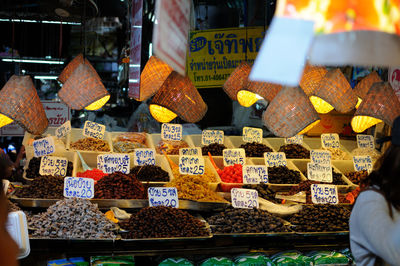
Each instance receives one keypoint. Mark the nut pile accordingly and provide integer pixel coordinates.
(246, 221)
(72, 218)
(264, 192)
(215, 149)
(367, 151)
(34, 166)
(321, 218)
(255, 149)
(357, 177)
(128, 142)
(90, 144)
(171, 146)
(283, 175)
(295, 151)
(12, 207)
(43, 187)
(336, 178)
(338, 154)
(119, 186)
(163, 222)
(150, 173)
(207, 177)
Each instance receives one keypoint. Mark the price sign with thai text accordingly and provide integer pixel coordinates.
(330, 140)
(212, 136)
(171, 131)
(323, 157)
(275, 159)
(115, 162)
(362, 163)
(319, 172)
(324, 194)
(234, 156)
(51, 165)
(252, 134)
(163, 196)
(191, 165)
(365, 141)
(78, 187)
(298, 139)
(144, 156)
(63, 130)
(94, 130)
(244, 198)
(255, 174)
(190, 152)
(44, 146)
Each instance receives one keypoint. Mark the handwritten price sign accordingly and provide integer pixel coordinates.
(94, 130)
(298, 139)
(365, 141)
(324, 194)
(144, 156)
(51, 165)
(330, 140)
(254, 174)
(79, 187)
(190, 152)
(63, 130)
(110, 163)
(44, 146)
(171, 131)
(275, 159)
(212, 136)
(362, 163)
(191, 165)
(244, 198)
(323, 157)
(252, 134)
(163, 196)
(319, 172)
(234, 156)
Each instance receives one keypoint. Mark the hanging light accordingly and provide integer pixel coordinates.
(290, 113)
(311, 79)
(255, 90)
(334, 92)
(237, 80)
(84, 89)
(19, 102)
(362, 87)
(72, 66)
(379, 105)
(177, 97)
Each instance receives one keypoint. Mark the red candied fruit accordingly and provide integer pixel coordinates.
(231, 174)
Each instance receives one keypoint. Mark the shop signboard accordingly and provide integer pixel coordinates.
(394, 79)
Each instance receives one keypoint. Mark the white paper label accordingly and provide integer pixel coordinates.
(114, 162)
(234, 156)
(319, 172)
(324, 194)
(298, 139)
(322, 157)
(51, 165)
(365, 141)
(144, 156)
(212, 136)
(171, 131)
(63, 130)
(255, 174)
(94, 130)
(190, 152)
(362, 163)
(191, 165)
(163, 196)
(252, 134)
(244, 198)
(5, 185)
(330, 141)
(275, 159)
(44, 146)
(78, 187)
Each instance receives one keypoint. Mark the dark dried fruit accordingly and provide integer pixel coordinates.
(295, 151)
(255, 149)
(150, 173)
(43, 187)
(34, 166)
(214, 148)
(357, 177)
(283, 175)
(264, 192)
(119, 186)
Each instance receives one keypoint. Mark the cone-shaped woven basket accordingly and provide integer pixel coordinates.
(70, 68)
(380, 103)
(19, 101)
(362, 87)
(237, 80)
(265, 89)
(179, 95)
(336, 90)
(82, 88)
(289, 113)
(312, 77)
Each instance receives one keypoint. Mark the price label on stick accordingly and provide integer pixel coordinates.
(51, 165)
(94, 130)
(144, 156)
(212, 136)
(324, 194)
(190, 152)
(163, 196)
(275, 159)
(254, 174)
(115, 162)
(171, 131)
(365, 141)
(191, 165)
(44, 146)
(244, 198)
(319, 172)
(298, 139)
(362, 163)
(252, 134)
(78, 187)
(234, 156)
(330, 140)
(323, 157)
(63, 130)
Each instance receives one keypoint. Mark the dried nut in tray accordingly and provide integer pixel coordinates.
(91, 144)
(152, 173)
(295, 151)
(119, 186)
(283, 175)
(215, 149)
(255, 149)
(43, 187)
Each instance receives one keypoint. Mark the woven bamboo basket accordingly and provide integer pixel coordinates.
(311, 79)
(72, 66)
(237, 80)
(265, 89)
(362, 87)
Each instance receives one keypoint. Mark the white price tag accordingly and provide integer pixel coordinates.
(144, 156)
(44, 146)
(298, 139)
(63, 130)
(244, 198)
(212, 136)
(114, 162)
(163, 196)
(191, 165)
(319, 172)
(171, 131)
(255, 174)
(234, 156)
(190, 152)
(5, 185)
(365, 141)
(324, 194)
(362, 163)
(323, 157)
(252, 134)
(94, 130)
(51, 165)
(272, 159)
(78, 187)
(330, 140)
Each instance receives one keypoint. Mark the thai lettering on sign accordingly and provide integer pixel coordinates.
(330, 140)
(163, 196)
(190, 152)
(272, 159)
(365, 141)
(363, 163)
(212, 136)
(116, 162)
(63, 130)
(244, 198)
(319, 172)
(255, 174)
(51, 165)
(78, 187)
(323, 157)
(171, 131)
(298, 139)
(234, 156)
(144, 156)
(324, 194)
(252, 134)
(44, 146)
(191, 165)
(94, 130)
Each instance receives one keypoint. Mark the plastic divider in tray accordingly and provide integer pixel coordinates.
(76, 134)
(156, 138)
(115, 134)
(315, 144)
(60, 144)
(238, 140)
(276, 143)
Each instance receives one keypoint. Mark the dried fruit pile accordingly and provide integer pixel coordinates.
(232, 174)
(283, 175)
(295, 151)
(150, 173)
(215, 149)
(255, 149)
(44, 187)
(119, 186)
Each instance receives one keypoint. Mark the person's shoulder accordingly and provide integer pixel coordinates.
(370, 195)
